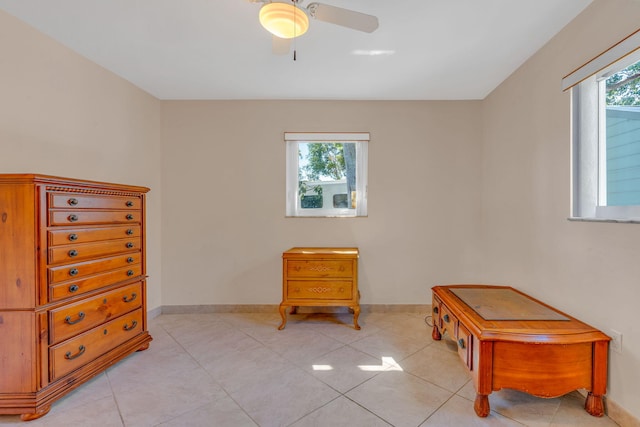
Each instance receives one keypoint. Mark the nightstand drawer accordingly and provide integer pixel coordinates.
(70, 320)
(319, 268)
(319, 290)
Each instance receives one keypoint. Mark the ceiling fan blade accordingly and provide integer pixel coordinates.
(344, 17)
(280, 46)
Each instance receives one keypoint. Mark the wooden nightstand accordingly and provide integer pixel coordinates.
(320, 277)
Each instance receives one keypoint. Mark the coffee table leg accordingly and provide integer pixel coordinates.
(481, 405)
(436, 333)
(594, 405)
(283, 314)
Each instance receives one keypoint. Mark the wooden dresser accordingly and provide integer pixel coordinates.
(509, 340)
(320, 277)
(72, 285)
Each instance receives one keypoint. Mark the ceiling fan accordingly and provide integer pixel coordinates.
(286, 20)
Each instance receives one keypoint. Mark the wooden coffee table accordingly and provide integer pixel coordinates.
(509, 340)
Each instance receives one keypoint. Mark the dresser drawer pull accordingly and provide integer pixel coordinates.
(73, 253)
(70, 356)
(73, 288)
(73, 272)
(130, 260)
(129, 232)
(461, 343)
(129, 217)
(129, 245)
(435, 310)
(73, 237)
(130, 273)
(73, 218)
(341, 290)
(127, 299)
(446, 318)
(72, 201)
(129, 203)
(133, 325)
(68, 320)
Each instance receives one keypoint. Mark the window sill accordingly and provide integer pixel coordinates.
(622, 221)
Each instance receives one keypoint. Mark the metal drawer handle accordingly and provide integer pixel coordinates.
(69, 356)
(73, 272)
(127, 299)
(435, 310)
(129, 245)
(129, 216)
(73, 218)
(130, 273)
(73, 288)
(68, 320)
(130, 260)
(73, 237)
(129, 203)
(129, 232)
(461, 343)
(72, 201)
(133, 325)
(73, 253)
(446, 318)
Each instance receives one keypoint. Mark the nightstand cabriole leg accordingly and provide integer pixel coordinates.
(283, 314)
(356, 314)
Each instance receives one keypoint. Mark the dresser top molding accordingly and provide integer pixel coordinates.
(30, 178)
(564, 330)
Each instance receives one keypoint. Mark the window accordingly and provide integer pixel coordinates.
(606, 134)
(326, 174)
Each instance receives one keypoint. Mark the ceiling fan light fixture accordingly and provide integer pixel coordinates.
(284, 20)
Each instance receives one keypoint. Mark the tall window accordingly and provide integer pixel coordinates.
(326, 174)
(606, 134)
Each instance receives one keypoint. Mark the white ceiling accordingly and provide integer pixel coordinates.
(216, 49)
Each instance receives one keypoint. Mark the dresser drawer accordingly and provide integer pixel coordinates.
(88, 268)
(70, 320)
(84, 201)
(77, 287)
(75, 252)
(80, 217)
(75, 352)
(86, 235)
(319, 290)
(319, 268)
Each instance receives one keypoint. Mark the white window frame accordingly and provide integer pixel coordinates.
(292, 139)
(588, 126)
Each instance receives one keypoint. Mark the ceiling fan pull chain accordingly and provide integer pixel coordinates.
(294, 29)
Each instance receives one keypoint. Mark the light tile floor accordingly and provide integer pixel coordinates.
(235, 370)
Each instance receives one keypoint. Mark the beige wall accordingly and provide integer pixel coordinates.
(63, 115)
(224, 198)
(590, 270)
